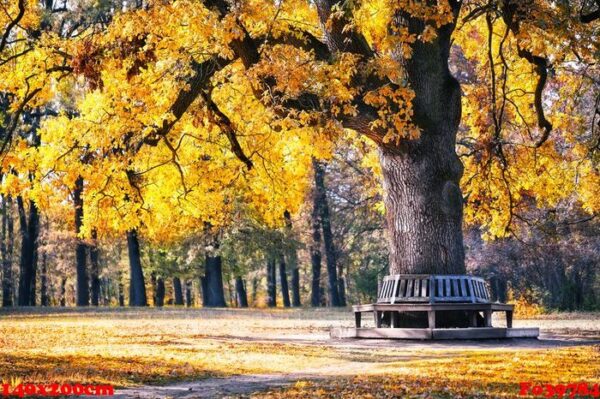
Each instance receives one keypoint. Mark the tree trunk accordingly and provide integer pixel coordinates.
(63, 292)
(292, 257)
(254, 290)
(160, 292)
(83, 290)
(95, 269)
(283, 282)
(240, 290)
(188, 293)
(44, 299)
(271, 283)
(324, 217)
(342, 291)
(213, 294)
(7, 252)
(177, 291)
(315, 255)
(29, 225)
(137, 287)
(421, 180)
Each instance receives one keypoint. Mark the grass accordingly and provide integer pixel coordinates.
(147, 346)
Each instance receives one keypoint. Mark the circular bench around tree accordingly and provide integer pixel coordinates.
(434, 294)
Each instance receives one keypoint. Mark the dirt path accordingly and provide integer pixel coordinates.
(240, 385)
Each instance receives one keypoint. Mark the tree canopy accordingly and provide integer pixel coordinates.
(177, 114)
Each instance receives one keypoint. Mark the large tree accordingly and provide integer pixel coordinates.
(175, 90)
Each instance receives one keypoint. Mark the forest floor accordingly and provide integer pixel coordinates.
(191, 353)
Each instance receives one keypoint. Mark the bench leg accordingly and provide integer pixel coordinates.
(474, 319)
(488, 318)
(357, 317)
(395, 318)
(431, 318)
(377, 318)
(509, 318)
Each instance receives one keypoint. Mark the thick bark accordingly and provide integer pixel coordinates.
(188, 293)
(177, 291)
(283, 282)
(95, 270)
(159, 298)
(213, 294)
(292, 257)
(137, 287)
(315, 256)
(421, 178)
(44, 298)
(323, 211)
(83, 290)
(7, 252)
(240, 291)
(271, 283)
(29, 226)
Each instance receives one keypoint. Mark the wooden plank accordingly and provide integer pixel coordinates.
(424, 286)
(409, 290)
(402, 288)
(463, 288)
(440, 285)
(394, 290)
(431, 289)
(470, 285)
(455, 287)
(448, 292)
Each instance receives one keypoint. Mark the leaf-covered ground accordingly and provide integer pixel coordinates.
(155, 347)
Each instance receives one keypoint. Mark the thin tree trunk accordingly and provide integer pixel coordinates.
(342, 290)
(160, 292)
(137, 287)
(83, 290)
(95, 269)
(212, 283)
(177, 291)
(29, 225)
(63, 292)
(188, 293)
(271, 283)
(7, 252)
(315, 255)
(44, 299)
(254, 290)
(121, 294)
(324, 217)
(283, 282)
(240, 290)
(292, 257)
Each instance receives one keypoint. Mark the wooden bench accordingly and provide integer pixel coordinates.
(433, 293)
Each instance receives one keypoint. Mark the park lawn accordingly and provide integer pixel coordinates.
(473, 374)
(149, 346)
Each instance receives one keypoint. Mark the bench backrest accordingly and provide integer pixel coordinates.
(432, 288)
